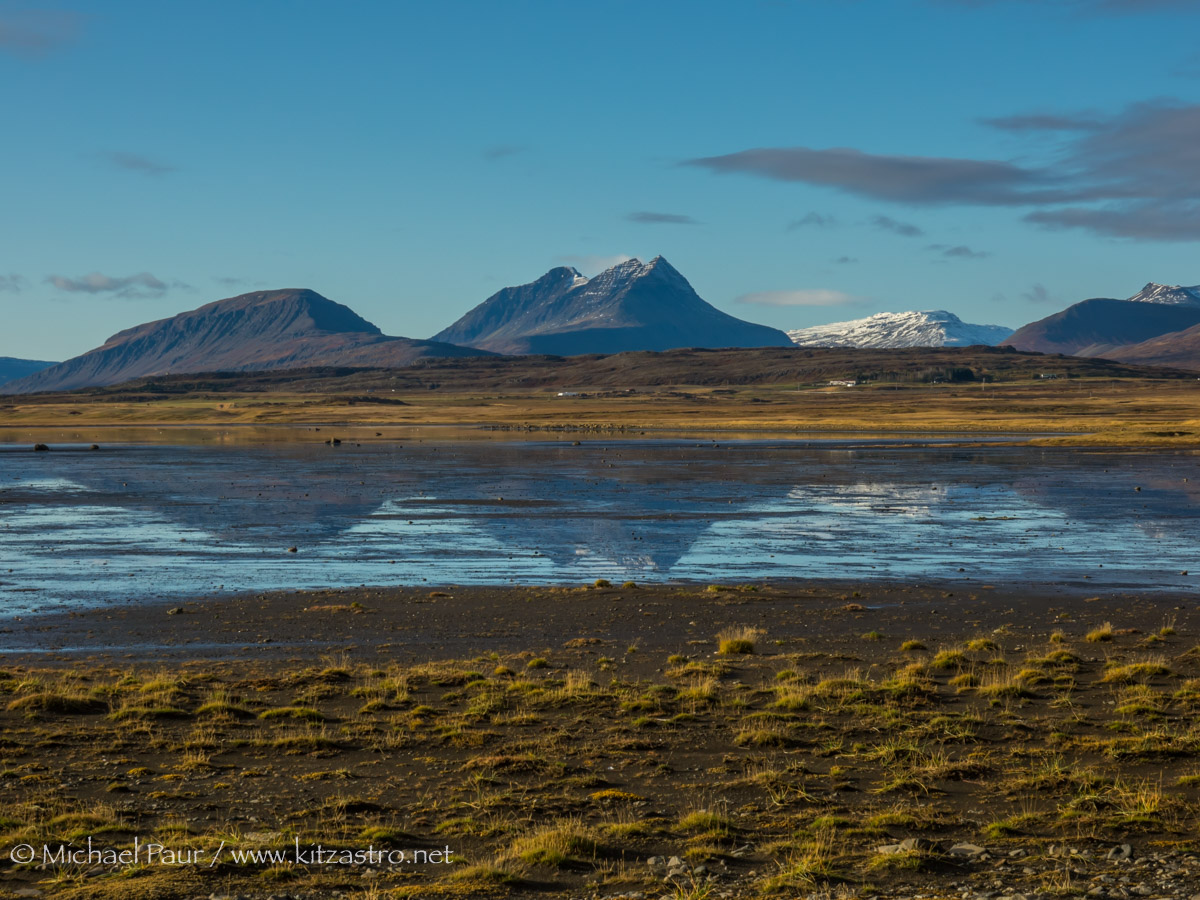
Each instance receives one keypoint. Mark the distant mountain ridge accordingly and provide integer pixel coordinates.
(12, 368)
(1100, 325)
(256, 331)
(631, 306)
(887, 330)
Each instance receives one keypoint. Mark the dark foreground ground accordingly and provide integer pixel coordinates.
(603, 741)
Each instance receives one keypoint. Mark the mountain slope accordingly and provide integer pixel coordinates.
(1097, 327)
(632, 306)
(1180, 349)
(12, 369)
(927, 328)
(260, 330)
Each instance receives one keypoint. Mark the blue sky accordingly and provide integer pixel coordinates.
(799, 162)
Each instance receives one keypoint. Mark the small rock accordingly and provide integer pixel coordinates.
(968, 850)
(675, 862)
(1122, 851)
(40, 448)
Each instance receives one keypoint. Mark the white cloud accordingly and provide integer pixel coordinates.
(807, 297)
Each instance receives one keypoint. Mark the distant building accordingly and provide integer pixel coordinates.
(839, 383)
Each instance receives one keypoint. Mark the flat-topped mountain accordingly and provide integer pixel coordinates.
(12, 368)
(280, 329)
(925, 328)
(632, 306)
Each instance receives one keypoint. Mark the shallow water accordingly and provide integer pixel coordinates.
(154, 521)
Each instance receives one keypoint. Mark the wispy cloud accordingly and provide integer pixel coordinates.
(960, 251)
(136, 163)
(1045, 122)
(12, 283)
(231, 281)
(1038, 294)
(35, 32)
(1132, 175)
(660, 218)
(813, 220)
(846, 260)
(902, 179)
(590, 265)
(500, 151)
(140, 285)
(804, 297)
(904, 229)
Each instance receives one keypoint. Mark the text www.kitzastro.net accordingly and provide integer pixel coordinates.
(151, 853)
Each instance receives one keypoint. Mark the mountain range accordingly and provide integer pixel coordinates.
(927, 328)
(11, 368)
(632, 306)
(284, 329)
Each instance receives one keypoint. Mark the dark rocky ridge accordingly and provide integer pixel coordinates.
(263, 330)
(632, 306)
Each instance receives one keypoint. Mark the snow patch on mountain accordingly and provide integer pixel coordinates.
(1168, 294)
(925, 328)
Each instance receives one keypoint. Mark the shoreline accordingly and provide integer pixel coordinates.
(431, 621)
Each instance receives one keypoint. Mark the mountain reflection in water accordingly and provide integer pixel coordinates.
(160, 521)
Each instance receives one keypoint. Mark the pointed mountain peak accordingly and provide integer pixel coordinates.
(629, 306)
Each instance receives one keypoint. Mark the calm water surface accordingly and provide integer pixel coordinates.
(150, 521)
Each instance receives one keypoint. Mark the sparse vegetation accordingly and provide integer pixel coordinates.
(571, 768)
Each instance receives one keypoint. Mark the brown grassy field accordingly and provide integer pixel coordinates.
(1111, 412)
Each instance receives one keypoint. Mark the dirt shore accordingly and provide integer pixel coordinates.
(679, 741)
(414, 624)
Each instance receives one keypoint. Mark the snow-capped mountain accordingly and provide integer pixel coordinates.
(1168, 294)
(927, 328)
